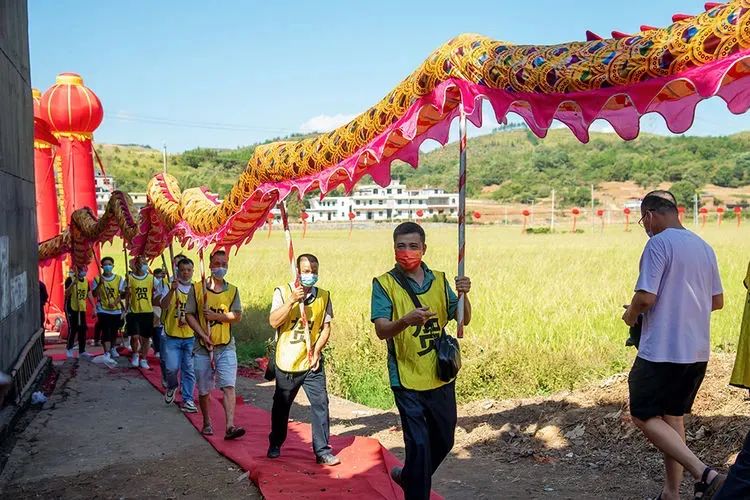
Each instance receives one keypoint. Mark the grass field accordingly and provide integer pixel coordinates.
(547, 308)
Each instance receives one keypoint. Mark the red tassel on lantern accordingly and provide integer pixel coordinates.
(704, 215)
(738, 213)
(576, 212)
(627, 219)
(525, 214)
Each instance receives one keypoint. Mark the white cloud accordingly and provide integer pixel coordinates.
(325, 123)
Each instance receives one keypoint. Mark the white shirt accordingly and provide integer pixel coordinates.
(681, 270)
(278, 301)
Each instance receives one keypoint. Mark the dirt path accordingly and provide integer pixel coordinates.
(572, 445)
(108, 434)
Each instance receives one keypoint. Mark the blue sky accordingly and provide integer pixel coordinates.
(224, 74)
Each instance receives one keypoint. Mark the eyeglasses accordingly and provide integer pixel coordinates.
(640, 221)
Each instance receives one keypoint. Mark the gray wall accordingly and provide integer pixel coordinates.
(19, 285)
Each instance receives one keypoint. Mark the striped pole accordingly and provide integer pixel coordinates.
(295, 275)
(461, 217)
(205, 298)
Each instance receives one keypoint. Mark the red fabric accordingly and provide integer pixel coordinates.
(363, 473)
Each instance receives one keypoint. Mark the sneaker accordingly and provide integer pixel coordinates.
(126, 343)
(169, 396)
(273, 452)
(69, 353)
(134, 361)
(107, 357)
(189, 407)
(113, 353)
(158, 355)
(328, 459)
(144, 364)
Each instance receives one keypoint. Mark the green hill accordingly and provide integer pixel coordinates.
(512, 163)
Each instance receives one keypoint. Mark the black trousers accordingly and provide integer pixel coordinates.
(428, 419)
(287, 387)
(77, 327)
(108, 324)
(738, 481)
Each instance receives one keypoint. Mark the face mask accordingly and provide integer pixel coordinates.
(107, 268)
(308, 279)
(184, 282)
(409, 260)
(219, 272)
(144, 269)
(81, 275)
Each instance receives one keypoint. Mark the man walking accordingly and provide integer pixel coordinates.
(211, 316)
(109, 292)
(77, 294)
(294, 369)
(426, 404)
(179, 339)
(677, 289)
(141, 296)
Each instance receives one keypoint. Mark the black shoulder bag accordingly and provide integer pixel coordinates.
(446, 346)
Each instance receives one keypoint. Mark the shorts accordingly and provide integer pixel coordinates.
(658, 389)
(109, 324)
(141, 324)
(226, 370)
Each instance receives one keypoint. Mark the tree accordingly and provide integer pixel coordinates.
(684, 192)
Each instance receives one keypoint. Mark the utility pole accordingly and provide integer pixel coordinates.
(552, 221)
(164, 157)
(532, 212)
(695, 209)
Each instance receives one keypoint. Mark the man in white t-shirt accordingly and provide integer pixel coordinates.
(678, 287)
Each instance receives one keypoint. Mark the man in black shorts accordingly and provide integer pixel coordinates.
(678, 287)
(141, 296)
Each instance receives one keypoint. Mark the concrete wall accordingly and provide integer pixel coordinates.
(19, 285)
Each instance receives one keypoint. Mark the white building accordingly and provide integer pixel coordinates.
(375, 203)
(104, 185)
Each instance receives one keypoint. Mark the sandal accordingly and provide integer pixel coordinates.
(705, 490)
(207, 430)
(234, 433)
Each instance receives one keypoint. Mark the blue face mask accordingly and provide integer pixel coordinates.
(308, 279)
(81, 275)
(107, 268)
(219, 272)
(144, 269)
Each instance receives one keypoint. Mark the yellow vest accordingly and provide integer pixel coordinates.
(141, 293)
(291, 349)
(221, 333)
(414, 348)
(171, 317)
(109, 294)
(79, 296)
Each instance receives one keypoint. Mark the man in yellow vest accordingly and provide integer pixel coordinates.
(179, 339)
(109, 290)
(426, 404)
(294, 369)
(211, 316)
(77, 293)
(141, 295)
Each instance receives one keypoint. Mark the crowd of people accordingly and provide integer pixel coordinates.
(190, 324)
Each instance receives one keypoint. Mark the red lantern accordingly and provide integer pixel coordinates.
(477, 215)
(704, 215)
(525, 214)
(576, 212)
(627, 219)
(352, 216)
(269, 219)
(738, 214)
(420, 212)
(680, 212)
(304, 216)
(73, 113)
(600, 213)
(720, 214)
(47, 214)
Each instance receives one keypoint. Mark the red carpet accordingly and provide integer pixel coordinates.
(364, 472)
